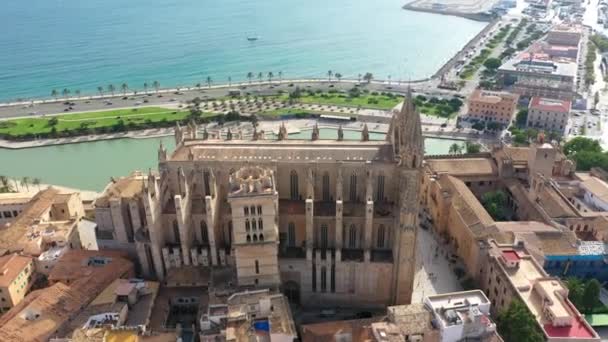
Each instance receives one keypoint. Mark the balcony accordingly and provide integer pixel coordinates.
(355, 254)
(291, 207)
(325, 209)
(292, 252)
(326, 253)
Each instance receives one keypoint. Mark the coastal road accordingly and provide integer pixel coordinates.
(172, 97)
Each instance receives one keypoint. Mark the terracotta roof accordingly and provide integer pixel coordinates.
(77, 264)
(463, 166)
(468, 206)
(550, 105)
(124, 187)
(597, 187)
(10, 267)
(492, 97)
(518, 154)
(359, 329)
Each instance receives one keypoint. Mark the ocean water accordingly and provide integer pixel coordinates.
(90, 165)
(83, 44)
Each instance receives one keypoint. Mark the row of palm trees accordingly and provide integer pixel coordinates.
(110, 88)
(6, 186)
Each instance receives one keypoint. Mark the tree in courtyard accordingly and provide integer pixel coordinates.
(270, 76)
(591, 296)
(329, 75)
(208, 81)
(25, 181)
(54, 93)
(517, 324)
(455, 148)
(479, 125)
(338, 76)
(494, 202)
(522, 117)
(576, 288)
(471, 147)
(492, 63)
(124, 88)
(585, 160)
(111, 89)
(156, 85)
(580, 144)
(368, 77)
(493, 126)
(260, 76)
(100, 90)
(249, 76)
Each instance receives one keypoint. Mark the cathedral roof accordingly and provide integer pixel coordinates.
(285, 150)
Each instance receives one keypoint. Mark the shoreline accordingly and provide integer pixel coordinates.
(411, 6)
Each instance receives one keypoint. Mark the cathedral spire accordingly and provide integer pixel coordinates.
(405, 133)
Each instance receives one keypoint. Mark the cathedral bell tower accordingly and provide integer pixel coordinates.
(405, 135)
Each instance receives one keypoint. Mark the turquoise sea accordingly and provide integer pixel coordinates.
(76, 44)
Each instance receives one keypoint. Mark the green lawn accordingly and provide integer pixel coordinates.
(364, 100)
(75, 121)
(298, 111)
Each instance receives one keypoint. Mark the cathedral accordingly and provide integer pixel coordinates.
(328, 222)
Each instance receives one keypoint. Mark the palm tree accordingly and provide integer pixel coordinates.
(36, 182)
(54, 93)
(111, 89)
(389, 79)
(77, 92)
(338, 76)
(280, 76)
(270, 76)
(209, 81)
(100, 90)
(359, 78)
(455, 148)
(146, 87)
(25, 181)
(260, 76)
(368, 77)
(124, 88)
(156, 85)
(6, 185)
(229, 81)
(65, 92)
(250, 76)
(329, 74)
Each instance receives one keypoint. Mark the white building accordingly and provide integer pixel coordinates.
(462, 315)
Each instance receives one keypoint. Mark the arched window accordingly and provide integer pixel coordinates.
(352, 237)
(262, 237)
(323, 242)
(246, 210)
(291, 235)
(206, 182)
(353, 188)
(247, 226)
(255, 238)
(176, 236)
(253, 225)
(259, 210)
(248, 238)
(380, 188)
(325, 186)
(252, 210)
(323, 278)
(204, 233)
(261, 224)
(293, 185)
(380, 237)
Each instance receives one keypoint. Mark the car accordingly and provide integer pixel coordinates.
(290, 85)
(173, 100)
(146, 101)
(109, 103)
(159, 95)
(137, 103)
(33, 113)
(125, 98)
(66, 110)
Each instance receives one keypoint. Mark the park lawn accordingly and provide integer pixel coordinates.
(69, 122)
(297, 111)
(383, 102)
